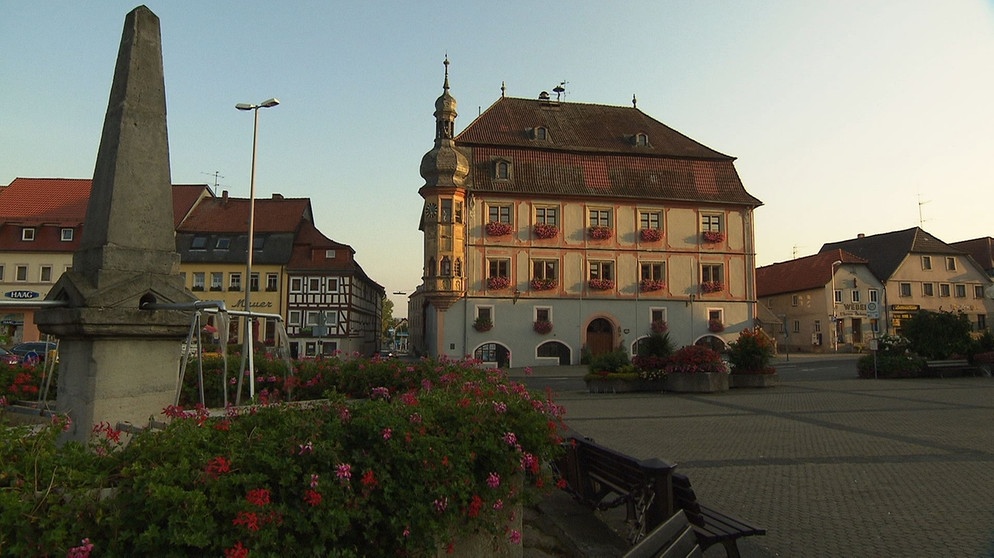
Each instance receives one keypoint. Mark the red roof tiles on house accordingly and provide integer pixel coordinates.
(802, 274)
(52, 201)
(591, 151)
(230, 215)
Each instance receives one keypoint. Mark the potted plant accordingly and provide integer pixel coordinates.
(715, 326)
(498, 282)
(601, 284)
(496, 228)
(651, 235)
(599, 233)
(545, 231)
(648, 285)
(538, 284)
(696, 369)
(483, 324)
(712, 286)
(713, 237)
(542, 327)
(750, 356)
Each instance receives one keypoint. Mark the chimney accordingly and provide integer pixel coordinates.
(277, 196)
(860, 235)
(224, 197)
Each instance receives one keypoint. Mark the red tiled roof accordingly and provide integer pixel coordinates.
(185, 197)
(802, 274)
(37, 201)
(590, 152)
(579, 127)
(980, 249)
(230, 215)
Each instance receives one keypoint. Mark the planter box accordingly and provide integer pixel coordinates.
(696, 382)
(625, 386)
(753, 380)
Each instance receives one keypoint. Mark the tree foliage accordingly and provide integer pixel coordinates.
(937, 335)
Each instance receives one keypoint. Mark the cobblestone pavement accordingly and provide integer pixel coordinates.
(840, 467)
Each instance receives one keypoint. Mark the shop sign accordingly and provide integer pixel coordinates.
(905, 307)
(21, 295)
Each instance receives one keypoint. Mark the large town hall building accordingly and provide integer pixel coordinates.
(554, 230)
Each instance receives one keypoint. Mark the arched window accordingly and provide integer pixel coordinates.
(458, 267)
(502, 170)
(446, 266)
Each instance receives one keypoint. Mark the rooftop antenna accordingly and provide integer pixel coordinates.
(794, 252)
(216, 175)
(921, 217)
(560, 90)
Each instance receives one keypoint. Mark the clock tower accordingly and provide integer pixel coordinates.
(444, 170)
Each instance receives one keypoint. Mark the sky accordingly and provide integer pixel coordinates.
(846, 117)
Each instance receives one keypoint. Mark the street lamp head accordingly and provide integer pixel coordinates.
(265, 104)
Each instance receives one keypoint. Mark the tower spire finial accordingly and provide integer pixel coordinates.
(445, 85)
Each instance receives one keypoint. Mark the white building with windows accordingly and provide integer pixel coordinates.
(553, 230)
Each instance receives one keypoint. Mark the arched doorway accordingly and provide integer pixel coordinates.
(600, 337)
(713, 342)
(493, 354)
(555, 349)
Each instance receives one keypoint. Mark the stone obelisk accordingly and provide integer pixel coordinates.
(118, 362)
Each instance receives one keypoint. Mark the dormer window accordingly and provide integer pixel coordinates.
(66, 235)
(28, 234)
(198, 243)
(502, 170)
(641, 140)
(541, 133)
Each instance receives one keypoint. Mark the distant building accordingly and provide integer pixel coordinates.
(824, 301)
(920, 272)
(297, 272)
(554, 230)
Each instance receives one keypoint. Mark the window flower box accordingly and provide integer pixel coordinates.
(599, 233)
(715, 326)
(542, 327)
(496, 228)
(546, 231)
(712, 286)
(498, 282)
(647, 285)
(651, 235)
(543, 284)
(482, 324)
(601, 284)
(713, 236)
(659, 326)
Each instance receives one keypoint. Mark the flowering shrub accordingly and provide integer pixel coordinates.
(542, 326)
(711, 286)
(651, 235)
(498, 282)
(601, 284)
(659, 326)
(751, 353)
(545, 231)
(599, 233)
(21, 381)
(483, 324)
(398, 474)
(496, 228)
(695, 359)
(715, 326)
(713, 236)
(647, 285)
(543, 284)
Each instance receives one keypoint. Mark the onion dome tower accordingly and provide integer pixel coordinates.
(444, 170)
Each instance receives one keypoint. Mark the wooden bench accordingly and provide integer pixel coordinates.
(603, 479)
(673, 539)
(711, 526)
(941, 367)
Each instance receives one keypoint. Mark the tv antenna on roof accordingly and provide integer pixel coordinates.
(216, 175)
(921, 217)
(560, 90)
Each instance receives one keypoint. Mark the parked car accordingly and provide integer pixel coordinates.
(7, 357)
(35, 351)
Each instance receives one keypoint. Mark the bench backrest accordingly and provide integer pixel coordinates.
(684, 498)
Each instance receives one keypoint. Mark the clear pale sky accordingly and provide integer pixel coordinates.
(847, 117)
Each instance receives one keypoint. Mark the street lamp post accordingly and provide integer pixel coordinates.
(247, 346)
(835, 318)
